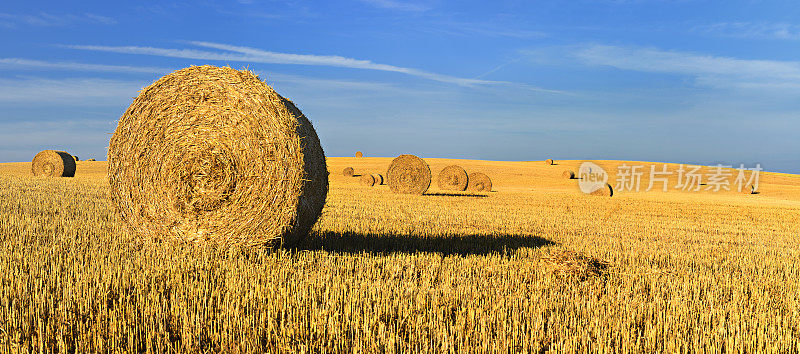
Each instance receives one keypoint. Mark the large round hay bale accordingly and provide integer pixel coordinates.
(359, 154)
(367, 180)
(52, 163)
(348, 172)
(479, 182)
(568, 174)
(214, 155)
(378, 178)
(549, 162)
(408, 174)
(452, 178)
(605, 191)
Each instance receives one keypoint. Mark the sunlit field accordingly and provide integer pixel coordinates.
(533, 265)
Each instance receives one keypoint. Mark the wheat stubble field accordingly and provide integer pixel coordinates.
(443, 272)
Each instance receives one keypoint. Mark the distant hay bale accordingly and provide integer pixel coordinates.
(76, 157)
(367, 180)
(91, 160)
(605, 191)
(359, 154)
(408, 174)
(452, 178)
(214, 155)
(568, 174)
(748, 189)
(52, 163)
(549, 162)
(479, 182)
(378, 178)
(348, 172)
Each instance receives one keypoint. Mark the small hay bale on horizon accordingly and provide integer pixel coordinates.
(568, 174)
(452, 178)
(408, 174)
(348, 172)
(52, 163)
(359, 154)
(549, 162)
(188, 162)
(91, 159)
(479, 182)
(76, 157)
(748, 189)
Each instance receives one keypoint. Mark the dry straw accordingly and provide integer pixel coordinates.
(348, 172)
(479, 182)
(367, 180)
(572, 264)
(215, 155)
(51, 163)
(408, 174)
(452, 178)
(605, 191)
(359, 154)
(568, 175)
(549, 162)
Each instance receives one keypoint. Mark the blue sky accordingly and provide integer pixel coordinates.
(676, 81)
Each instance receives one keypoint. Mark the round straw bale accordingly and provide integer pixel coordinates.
(748, 189)
(76, 157)
(51, 163)
(359, 154)
(91, 160)
(605, 191)
(378, 178)
(348, 172)
(409, 174)
(549, 162)
(568, 174)
(452, 178)
(479, 182)
(214, 155)
(367, 180)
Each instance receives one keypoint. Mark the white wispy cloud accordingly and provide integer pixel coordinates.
(50, 20)
(752, 30)
(77, 91)
(707, 69)
(253, 55)
(18, 63)
(397, 5)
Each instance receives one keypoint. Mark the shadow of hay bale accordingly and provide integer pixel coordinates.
(463, 245)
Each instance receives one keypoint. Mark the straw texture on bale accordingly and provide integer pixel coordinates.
(367, 180)
(214, 155)
(51, 163)
(549, 162)
(568, 175)
(452, 178)
(408, 174)
(479, 182)
(348, 172)
(605, 191)
(359, 154)
(378, 178)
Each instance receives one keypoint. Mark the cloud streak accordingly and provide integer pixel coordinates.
(44, 19)
(707, 69)
(18, 63)
(397, 5)
(253, 55)
(69, 91)
(753, 30)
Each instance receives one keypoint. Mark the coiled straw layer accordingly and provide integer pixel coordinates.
(479, 182)
(452, 178)
(214, 155)
(51, 163)
(409, 174)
